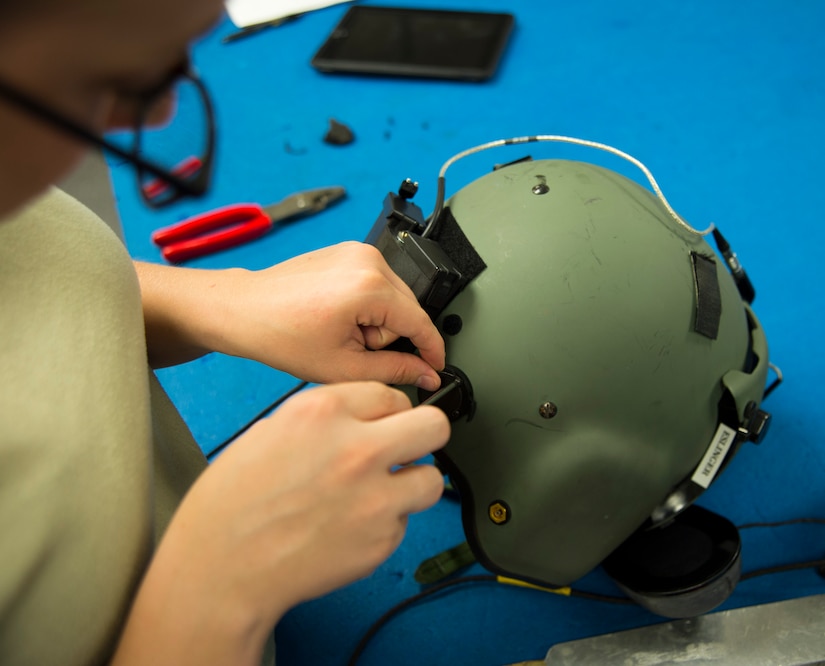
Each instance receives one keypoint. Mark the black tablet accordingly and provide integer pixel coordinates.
(432, 43)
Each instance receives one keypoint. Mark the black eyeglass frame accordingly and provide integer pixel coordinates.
(194, 187)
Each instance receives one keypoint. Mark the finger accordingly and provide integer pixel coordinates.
(363, 400)
(398, 314)
(411, 434)
(399, 317)
(398, 368)
(377, 337)
(418, 487)
(419, 328)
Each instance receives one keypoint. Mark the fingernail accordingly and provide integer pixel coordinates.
(427, 383)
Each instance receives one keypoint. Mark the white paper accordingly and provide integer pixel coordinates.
(244, 13)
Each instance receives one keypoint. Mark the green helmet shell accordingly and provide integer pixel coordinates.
(595, 396)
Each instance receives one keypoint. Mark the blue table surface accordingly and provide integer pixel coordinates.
(724, 101)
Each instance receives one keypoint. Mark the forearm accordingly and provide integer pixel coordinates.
(181, 617)
(325, 316)
(183, 310)
(156, 636)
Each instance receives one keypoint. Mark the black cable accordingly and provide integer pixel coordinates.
(435, 217)
(440, 587)
(594, 596)
(779, 568)
(435, 589)
(782, 523)
(395, 610)
(819, 565)
(220, 447)
(776, 382)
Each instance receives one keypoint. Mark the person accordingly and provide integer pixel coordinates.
(120, 545)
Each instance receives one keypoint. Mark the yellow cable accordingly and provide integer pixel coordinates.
(564, 591)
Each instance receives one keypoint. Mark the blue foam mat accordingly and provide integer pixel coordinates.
(724, 102)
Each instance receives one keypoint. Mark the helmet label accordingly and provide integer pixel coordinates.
(717, 452)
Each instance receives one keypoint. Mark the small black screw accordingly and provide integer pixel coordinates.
(451, 324)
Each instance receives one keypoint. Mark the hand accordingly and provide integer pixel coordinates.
(322, 475)
(307, 501)
(324, 316)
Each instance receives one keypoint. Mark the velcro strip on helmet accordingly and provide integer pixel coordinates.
(708, 296)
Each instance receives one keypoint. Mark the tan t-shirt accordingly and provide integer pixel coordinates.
(93, 456)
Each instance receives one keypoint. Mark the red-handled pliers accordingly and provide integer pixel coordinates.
(232, 225)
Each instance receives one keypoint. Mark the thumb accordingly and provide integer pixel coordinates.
(401, 368)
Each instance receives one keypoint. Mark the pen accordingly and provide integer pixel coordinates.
(257, 27)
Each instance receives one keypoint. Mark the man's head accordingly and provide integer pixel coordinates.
(89, 60)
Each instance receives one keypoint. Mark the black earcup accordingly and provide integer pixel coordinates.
(682, 569)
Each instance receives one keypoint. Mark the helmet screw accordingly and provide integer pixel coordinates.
(541, 188)
(451, 324)
(498, 513)
(547, 410)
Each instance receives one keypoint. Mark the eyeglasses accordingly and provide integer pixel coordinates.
(172, 161)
